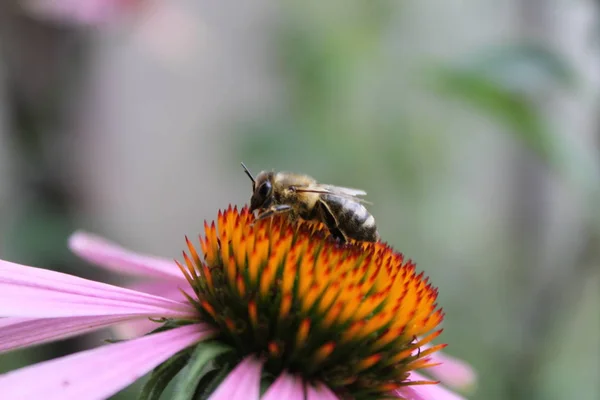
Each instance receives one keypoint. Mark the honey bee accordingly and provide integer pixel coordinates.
(339, 208)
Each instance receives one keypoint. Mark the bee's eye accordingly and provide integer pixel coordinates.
(264, 189)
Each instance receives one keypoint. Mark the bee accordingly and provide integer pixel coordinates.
(339, 208)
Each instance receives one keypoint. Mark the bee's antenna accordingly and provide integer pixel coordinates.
(248, 173)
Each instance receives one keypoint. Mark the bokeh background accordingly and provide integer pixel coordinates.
(472, 124)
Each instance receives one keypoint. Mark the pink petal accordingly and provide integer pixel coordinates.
(101, 372)
(139, 327)
(88, 12)
(132, 329)
(167, 289)
(241, 383)
(22, 332)
(38, 293)
(426, 392)
(321, 392)
(285, 387)
(101, 252)
(452, 371)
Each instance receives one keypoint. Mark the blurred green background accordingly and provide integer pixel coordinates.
(472, 124)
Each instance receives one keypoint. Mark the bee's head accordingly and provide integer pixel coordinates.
(262, 189)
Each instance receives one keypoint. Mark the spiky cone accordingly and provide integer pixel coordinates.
(345, 315)
(271, 310)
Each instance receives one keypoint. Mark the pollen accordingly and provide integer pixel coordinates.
(353, 315)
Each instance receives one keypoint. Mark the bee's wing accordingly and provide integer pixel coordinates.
(344, 190)
(340, 191)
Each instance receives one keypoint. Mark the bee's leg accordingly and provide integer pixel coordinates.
(292, 216)
(331, 223)
(337, 234)
(277, 209)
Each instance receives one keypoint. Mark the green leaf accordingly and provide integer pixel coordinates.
(211, 381)
(170, 324)
(266, 381)
(517, 112)
(199, 364)
(114, 341)
(507, 84)
(163, 375)
(523, 67)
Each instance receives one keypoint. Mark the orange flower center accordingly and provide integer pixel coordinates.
(348, 315)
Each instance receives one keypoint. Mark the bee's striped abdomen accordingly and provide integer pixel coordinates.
(352, 218)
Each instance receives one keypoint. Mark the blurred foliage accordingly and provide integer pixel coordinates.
(508, 84)
(333, 114)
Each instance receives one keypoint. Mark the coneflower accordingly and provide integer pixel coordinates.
(267, 309)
